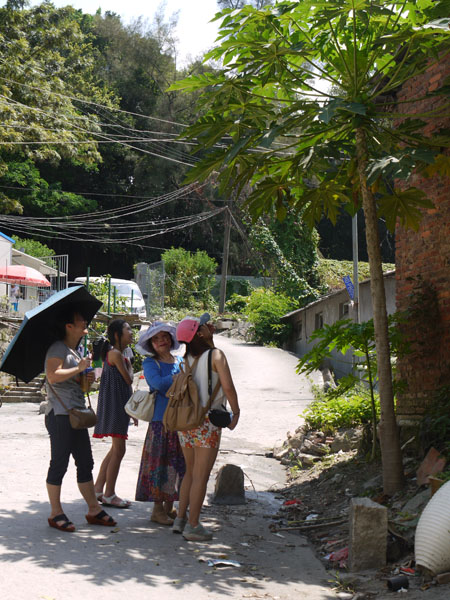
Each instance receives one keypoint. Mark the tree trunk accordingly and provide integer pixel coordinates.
(391, 457)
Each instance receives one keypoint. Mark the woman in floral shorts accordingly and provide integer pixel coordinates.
(201, 445)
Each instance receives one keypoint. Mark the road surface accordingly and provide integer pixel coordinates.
(140, 559)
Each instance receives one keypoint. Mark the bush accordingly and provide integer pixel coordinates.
(330, 413)
(189, 278)
(237, 303)
(265, 309)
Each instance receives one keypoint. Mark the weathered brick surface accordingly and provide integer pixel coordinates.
(423, 265)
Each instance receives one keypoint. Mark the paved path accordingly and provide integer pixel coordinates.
(139, 559)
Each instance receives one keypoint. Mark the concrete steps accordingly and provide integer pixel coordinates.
(25, 392)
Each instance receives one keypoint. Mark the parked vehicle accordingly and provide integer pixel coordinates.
(127, 289)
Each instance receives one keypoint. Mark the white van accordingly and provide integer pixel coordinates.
(127, 289)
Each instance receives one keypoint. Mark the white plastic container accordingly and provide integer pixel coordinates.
(432, 541)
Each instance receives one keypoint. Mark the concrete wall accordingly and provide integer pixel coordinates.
(330, 309)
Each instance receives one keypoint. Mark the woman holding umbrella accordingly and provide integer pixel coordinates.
(63, 366)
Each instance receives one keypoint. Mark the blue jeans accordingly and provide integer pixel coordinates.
(66, 441)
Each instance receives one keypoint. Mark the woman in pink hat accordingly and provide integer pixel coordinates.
(201, 445)
(162, 464)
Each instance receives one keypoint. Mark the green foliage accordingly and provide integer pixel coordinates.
(343, 409)
(237, 303)
(289, 279)
(189, 278)
(435, 425)
(359, 338)
(332, 271)
(105, 293)
(264, 310)
(33, 247)
(241, 287)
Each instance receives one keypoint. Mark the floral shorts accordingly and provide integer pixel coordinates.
(205, 436)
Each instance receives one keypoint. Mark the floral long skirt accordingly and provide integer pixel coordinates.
(162, 466)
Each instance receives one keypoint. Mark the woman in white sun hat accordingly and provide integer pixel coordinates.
(162, 464)
(201, 445)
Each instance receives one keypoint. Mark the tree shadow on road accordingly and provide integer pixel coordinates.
(140, 551)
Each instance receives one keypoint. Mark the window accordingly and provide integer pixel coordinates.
(343, 310)
(298, 328)
(318, 321)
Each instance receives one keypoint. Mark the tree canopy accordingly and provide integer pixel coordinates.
(304, 112)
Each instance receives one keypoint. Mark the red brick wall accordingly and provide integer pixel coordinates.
(423, 267)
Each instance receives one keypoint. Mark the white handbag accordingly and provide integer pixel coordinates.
(141, 404)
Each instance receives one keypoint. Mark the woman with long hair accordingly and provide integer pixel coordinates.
(162, 464)
(112, 420)
(63, 368)
(201, 445)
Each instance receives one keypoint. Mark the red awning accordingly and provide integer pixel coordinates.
(22, 275)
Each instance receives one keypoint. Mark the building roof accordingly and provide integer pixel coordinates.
(330, 295)
(7, 238)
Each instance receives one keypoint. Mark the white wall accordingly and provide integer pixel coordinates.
(5, 259)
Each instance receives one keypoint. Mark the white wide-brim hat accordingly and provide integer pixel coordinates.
(144, 347)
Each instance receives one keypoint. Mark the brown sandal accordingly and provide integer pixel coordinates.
(99, 519)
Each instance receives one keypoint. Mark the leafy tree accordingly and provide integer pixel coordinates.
(32, 247)
(234, 4)
(189, 278)
(47, 65)
(359, 338)
(304, 109)
(264, 310)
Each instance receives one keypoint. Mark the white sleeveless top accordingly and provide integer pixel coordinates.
(201, 379)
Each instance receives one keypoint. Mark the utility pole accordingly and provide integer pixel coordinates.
(226, 251)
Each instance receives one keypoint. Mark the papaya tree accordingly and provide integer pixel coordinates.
(304, 111)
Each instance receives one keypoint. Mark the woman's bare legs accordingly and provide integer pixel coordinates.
(185, 487)
(204, 459)
(54, 495)
(109, 469)
(199, 462)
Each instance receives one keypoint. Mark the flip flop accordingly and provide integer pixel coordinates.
(119, 503)
(98, 519)
(65, 525)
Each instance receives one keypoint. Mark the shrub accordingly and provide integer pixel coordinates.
(189, 278)
(330, 413)
(237, 303)
(265, 309)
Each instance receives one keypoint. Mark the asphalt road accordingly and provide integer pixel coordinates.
(140, 559)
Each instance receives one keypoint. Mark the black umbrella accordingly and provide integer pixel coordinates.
(25, 355)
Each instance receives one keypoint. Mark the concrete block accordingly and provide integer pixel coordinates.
(368, 535)
(229, 488)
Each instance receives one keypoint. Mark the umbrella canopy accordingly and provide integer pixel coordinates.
(23, 275)
(25, 355)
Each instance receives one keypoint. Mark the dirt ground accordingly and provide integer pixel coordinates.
(317, 506)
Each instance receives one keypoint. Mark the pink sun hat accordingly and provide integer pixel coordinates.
(188, 327)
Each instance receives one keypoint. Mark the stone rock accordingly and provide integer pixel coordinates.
(346, 440)
(316, 449)
(417, 503)
(306, 460)
(368, 535)
(42, 407)
(229, 488)
(296, 441)
(280, 453)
